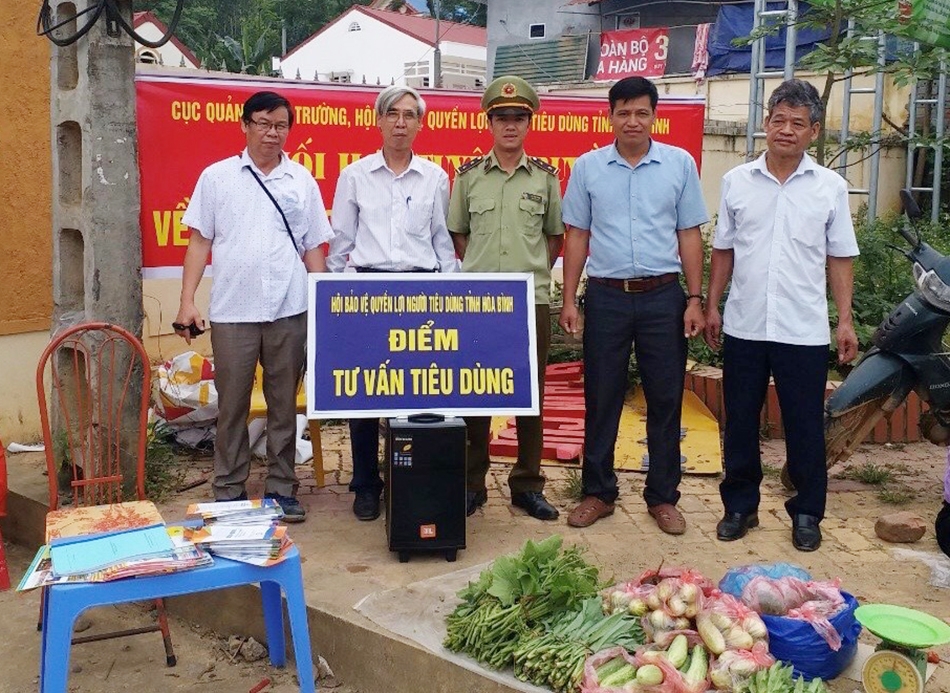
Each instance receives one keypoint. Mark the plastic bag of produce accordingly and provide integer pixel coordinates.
(814, 602)
(658, 671)
(737, 578)
(687, 575)
(732, 667)
(725, 623)
(797, 642)
(609, 671)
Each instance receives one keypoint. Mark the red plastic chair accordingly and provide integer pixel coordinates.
(96, 372)
(4, 570)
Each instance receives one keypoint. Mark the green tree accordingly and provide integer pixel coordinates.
(242, 35)
(461, 11)
(858, 53)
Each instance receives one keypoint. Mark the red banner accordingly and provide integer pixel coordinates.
(185, 124)
(633, 53)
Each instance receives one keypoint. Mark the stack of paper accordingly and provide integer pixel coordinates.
(255, 511)
(101, 557)
(259, 544)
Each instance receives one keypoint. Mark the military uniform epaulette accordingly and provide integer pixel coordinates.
(543, 165)
(469, 165)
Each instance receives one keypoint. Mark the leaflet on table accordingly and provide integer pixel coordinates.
(236, 512)
(220, 532)
(255, 558)
(40, 573)
(87, 554)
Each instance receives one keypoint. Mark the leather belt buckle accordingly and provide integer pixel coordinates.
(633, 286)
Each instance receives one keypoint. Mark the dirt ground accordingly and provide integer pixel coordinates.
(136, 663)
(876, 481)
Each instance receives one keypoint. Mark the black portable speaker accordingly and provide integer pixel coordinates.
(425, 485)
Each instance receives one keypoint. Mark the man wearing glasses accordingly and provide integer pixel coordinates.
(505, 216)
(263, 217)
(388, 216)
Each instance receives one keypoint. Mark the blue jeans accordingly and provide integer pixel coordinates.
(800, 374)
(651, 323)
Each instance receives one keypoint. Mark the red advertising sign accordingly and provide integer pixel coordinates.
(185, 124)
(633, 53)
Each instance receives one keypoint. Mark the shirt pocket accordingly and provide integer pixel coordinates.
(532, 216)
(480, 211)
(808, 226)
(293, 208)
(420, 218)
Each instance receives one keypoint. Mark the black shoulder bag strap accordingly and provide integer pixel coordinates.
(277, 205)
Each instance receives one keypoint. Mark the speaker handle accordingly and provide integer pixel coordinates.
(426, 418)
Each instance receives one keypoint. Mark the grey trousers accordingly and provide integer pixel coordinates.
(279, 346)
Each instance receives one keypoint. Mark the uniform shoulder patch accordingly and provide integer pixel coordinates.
(469, 165)
(543, 165)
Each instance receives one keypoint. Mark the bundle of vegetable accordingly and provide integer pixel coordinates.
(779, 678)
(515, 594)
(556, 658)
(727, 624)
(733, 667)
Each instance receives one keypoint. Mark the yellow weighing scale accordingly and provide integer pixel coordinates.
(899, 662)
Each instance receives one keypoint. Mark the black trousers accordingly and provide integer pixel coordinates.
(364, 433)
(800, 374)
(651, 323)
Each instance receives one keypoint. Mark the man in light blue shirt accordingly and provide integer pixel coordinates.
(636, 207)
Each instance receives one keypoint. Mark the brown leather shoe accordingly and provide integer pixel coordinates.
(589, 511)
(668, 518)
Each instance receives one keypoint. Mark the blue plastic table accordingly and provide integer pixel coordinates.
(65, 602)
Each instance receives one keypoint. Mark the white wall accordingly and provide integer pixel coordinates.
(377, 51)
(170, 55)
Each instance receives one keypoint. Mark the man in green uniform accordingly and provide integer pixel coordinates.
(505, 216)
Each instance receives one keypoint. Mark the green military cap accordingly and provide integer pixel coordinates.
(511, 92)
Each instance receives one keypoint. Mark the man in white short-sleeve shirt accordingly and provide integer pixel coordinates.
(389, 216)
(784, 230)
(262, 216)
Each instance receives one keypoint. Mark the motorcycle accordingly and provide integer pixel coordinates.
(908, 354)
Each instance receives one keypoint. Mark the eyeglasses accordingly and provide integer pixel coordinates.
(409, 116)
(266, 125)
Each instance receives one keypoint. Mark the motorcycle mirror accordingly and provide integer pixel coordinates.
(909, 205)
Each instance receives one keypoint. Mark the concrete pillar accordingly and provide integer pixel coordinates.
(97, 244)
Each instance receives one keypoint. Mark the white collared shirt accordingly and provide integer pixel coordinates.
(258, 274)
(390, 222)
(782, 235)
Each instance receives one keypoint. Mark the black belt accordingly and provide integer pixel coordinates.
(637, 285)
(377, 270)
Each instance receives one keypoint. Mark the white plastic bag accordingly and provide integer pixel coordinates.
(187, 397)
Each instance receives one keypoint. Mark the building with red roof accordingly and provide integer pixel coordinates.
(376, 46)
(173, 54)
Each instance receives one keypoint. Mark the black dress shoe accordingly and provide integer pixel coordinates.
(536, 505)
(806, 535)
(733, 526)
(474, 500)
(366, 505)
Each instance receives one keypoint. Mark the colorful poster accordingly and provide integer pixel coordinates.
(633, 53)
(185, 124)
(401, 344)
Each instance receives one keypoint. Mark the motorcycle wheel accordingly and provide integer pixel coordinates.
(844, 433)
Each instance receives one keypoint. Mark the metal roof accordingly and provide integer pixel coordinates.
(563, 59)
